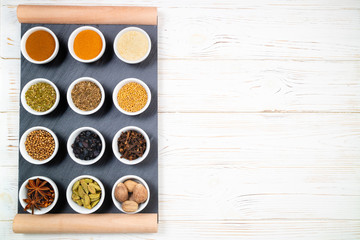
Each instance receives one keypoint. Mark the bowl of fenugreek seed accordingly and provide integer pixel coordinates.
(40, 96)
(85, 95)
(131, 96)
(38, 145)
(85, 194)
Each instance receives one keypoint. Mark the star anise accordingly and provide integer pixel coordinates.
(32, 203)
(40, 195)
(38, 188)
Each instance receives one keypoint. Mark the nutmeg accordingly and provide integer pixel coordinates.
(140, 194)
(130, 184)
(121, 192)
(129, 206)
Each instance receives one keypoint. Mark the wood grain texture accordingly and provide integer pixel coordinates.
(234, 229)
(277, 165)
(297, 33)
(259, 123)
(238, 86)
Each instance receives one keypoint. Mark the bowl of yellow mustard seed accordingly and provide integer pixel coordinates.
(85, 95)
(131, 96)
(40, 96)
(38, 145)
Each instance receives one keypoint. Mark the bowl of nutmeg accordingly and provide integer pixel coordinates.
(130, 194)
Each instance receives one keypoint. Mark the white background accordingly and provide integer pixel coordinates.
(259, 119)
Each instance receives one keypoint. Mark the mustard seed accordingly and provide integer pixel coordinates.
(132, 97)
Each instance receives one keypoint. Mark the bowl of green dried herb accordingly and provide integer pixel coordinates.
(38, 145)
(40, 96)
(131, 145)
(85, 95)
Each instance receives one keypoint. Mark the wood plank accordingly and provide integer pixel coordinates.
(250, 166)
(237, 86)
(259, 4)
(234, 229)
(247, 140)
(300, 32)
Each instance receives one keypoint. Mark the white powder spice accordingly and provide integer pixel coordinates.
(132, 45)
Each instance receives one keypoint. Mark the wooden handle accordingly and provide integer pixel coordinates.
(80, 223)
(87, 14)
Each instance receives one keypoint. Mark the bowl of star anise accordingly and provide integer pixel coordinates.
(38, 195)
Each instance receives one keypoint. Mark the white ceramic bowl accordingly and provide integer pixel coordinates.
(71, 43)
(23, 195)
(116, 148)
(28, 85)
(136, 179)
(81, 209)
(127, 30)
(71, 140)
(120, 85)
(24, 39)
(71, 103)
(25, 154)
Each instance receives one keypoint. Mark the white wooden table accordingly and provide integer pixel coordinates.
(259, 119)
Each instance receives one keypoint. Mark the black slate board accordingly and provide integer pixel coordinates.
(108, 70)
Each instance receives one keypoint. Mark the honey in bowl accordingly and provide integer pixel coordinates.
(40, 45)
(132, 45)
(87, 44)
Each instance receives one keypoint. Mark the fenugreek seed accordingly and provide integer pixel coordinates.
(132, 97)
(40, 144)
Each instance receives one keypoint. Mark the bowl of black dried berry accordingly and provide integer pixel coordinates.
(131, 145)
(86, 145)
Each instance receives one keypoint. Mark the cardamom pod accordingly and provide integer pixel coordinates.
(87, 199)
(79, 202)
(86, 193)
(91, 188)
(93, 204)
(75, 197)
(94, 196)
(84, 185)
(76, 185)
(81, 192)
(88, 180)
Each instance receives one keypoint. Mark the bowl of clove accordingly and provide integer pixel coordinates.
(85, 194)
(131, 145)
(38, 195)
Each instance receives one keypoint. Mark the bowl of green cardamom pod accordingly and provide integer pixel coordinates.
(40, 96)
(85, 194)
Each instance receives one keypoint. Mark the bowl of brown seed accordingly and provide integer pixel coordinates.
(38, 145)
(40, 96)
(85, 95)
(131, 96)
(85, 194)
(131, 145)
(38, 195)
